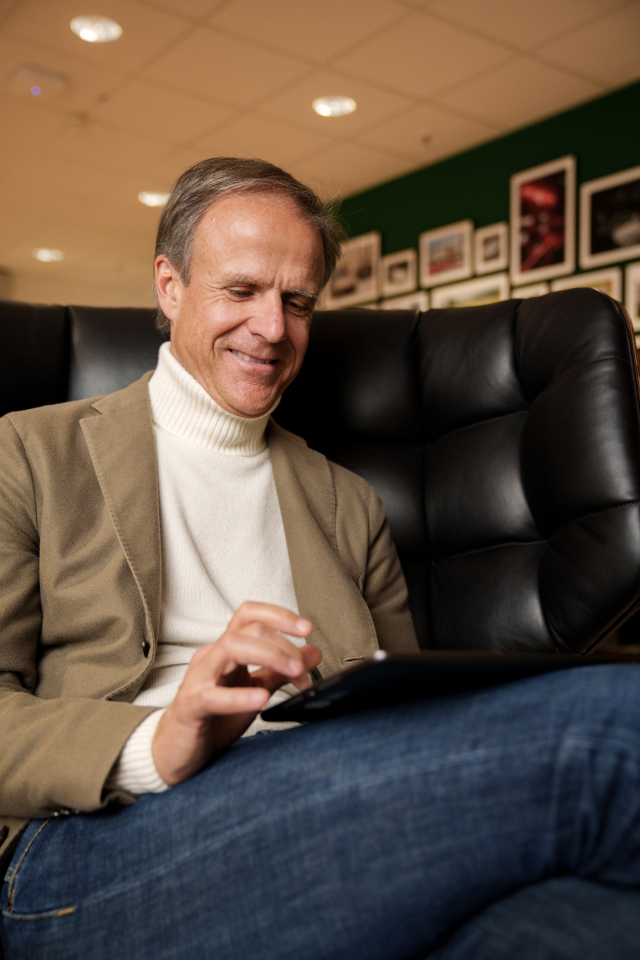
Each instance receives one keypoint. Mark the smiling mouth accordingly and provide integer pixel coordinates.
(245, 356)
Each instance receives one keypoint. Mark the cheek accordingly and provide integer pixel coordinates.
(299, 336)
(206, 328)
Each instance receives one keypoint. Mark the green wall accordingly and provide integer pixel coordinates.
(604, 135)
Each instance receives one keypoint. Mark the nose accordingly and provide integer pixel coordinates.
(268, 319)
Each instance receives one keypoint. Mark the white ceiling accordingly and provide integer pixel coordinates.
(196, 78)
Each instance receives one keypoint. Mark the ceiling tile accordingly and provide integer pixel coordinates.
(294, 104)
(608, 50)
(106, 147)
(211, 64)
(519, 93)
(163, 172)
(6, 8)
(148, 109)
(86, 81)
(426, 134)
(26, 126)
(198, 9)
(347, 168)
(421, 56)
(145, 32)
(314, 29)
(522, 23)
(252, 136)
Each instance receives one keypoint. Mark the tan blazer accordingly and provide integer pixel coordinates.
(81, 575)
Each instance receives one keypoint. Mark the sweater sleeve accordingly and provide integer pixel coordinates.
(135, 770)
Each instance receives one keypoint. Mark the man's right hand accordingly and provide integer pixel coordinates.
(219, 698)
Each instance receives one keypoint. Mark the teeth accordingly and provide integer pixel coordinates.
(245, 356)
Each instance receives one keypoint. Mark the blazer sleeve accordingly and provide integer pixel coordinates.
(365, 545)
(384, 587)
(54, 754)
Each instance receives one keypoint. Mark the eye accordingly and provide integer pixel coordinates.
(240, 294)
(299, 307)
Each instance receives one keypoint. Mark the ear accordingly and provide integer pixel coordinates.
(169, 287)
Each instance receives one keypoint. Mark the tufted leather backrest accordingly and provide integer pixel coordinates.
(110, 348)
(34, 360)
(505, 442)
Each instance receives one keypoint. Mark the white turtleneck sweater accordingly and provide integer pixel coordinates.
(222, 543)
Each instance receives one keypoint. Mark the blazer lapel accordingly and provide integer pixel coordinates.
(325, 592)
(122, 449)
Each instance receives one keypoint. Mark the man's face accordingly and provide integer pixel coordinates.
(241, 326)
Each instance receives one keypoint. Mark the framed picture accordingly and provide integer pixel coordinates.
(607, 281)
(413, 301)
(472, 293)
(543, 219)
(446, 254)
(532, 290)
(491, 248)
(355, 278)
(398, 273)
(610, 219)
(632, 294)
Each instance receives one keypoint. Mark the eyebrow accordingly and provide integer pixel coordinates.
(241, 278)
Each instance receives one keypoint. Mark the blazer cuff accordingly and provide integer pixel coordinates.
(135, 770)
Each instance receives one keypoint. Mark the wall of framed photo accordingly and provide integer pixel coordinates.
(551, 206)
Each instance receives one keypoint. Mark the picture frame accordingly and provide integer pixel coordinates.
(411, 301)
(543, 221)
(446, 254)
(355, 278)
(398, 272)
(632, 293)
(608, 281)
(491, 248)
(531, 290)
(472, 293)
(610, 219)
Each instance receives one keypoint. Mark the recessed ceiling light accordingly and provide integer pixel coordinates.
(153, 199)
(96, 29)
(47, 256)
(334, 106)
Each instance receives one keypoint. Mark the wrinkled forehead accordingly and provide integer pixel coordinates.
(246, 224)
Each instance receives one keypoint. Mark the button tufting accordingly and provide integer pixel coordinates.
(146, 646)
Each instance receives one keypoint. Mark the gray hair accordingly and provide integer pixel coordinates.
(208, 182)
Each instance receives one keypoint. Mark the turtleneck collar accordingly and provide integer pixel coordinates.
(183, 408)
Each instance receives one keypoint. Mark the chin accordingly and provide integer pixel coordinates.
(251, 408)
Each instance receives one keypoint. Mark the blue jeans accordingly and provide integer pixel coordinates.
(388, 835)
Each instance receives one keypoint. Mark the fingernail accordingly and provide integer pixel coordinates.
(302, 624)
(295, 666)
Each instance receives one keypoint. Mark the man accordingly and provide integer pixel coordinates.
(158, 543)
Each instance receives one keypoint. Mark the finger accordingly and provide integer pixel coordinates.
(277, 618)
(227, 701)
(311, 657)
(235, 650)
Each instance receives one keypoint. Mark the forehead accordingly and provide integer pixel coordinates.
(254, 222)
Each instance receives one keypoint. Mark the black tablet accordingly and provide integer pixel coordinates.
(386, 678)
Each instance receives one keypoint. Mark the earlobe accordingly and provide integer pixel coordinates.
(168, 287)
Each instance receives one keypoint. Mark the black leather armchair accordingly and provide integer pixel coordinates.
(504, 440)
